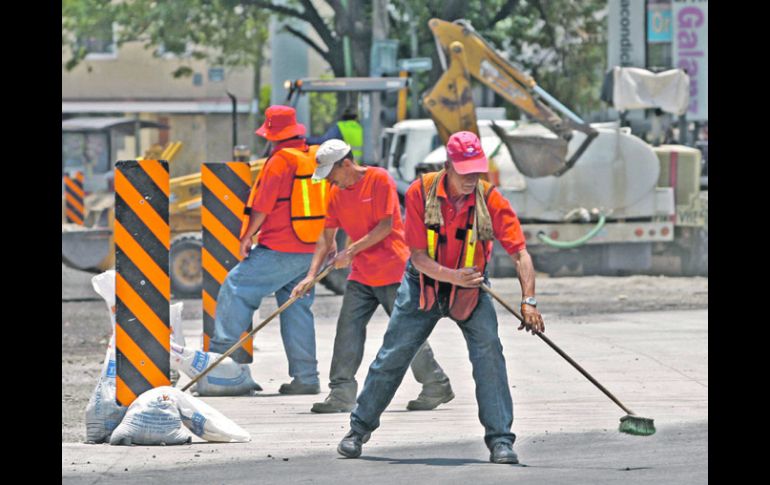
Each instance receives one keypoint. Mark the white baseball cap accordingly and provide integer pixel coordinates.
(329, 153)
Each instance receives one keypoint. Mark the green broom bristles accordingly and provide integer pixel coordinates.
(636, 425)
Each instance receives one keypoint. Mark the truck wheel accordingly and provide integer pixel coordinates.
(185, 265)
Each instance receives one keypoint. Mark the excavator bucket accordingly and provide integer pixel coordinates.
(85, 248)
(535, 155)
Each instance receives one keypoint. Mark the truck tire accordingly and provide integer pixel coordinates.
(185, 265)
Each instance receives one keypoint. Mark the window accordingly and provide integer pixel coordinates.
(100, 43)
(216, 74)
(87, 152)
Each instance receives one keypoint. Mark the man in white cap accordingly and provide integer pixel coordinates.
(451, 219)
(363, 201)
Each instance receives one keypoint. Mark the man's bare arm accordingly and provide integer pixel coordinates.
(255, 222)
(533, 321)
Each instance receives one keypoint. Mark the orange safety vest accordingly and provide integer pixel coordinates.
(307, 200)
(462, 301)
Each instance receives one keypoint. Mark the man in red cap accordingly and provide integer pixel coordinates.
(452, 218)
(287, 210)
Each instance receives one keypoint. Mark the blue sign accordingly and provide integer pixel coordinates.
(415, 64)
(659, 24)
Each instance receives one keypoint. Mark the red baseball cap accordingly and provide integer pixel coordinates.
(464, 150)
(280, 124)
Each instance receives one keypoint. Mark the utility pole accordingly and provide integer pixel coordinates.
(379, 32)
(413, 45)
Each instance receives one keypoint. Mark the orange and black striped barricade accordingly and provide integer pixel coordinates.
(142, 284)
(225, 189)
(73, 193)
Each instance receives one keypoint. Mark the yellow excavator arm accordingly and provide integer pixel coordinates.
(451, 106)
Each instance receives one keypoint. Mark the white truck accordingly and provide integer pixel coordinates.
(625, 207)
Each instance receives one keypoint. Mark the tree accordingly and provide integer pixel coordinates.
(224, 32)
(560, 43)
(351, 19)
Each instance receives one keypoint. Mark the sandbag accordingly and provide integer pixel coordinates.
(153, 419)
(208, 423)
(103, 413)
(229, 378)
(165, 416)
(177, 336)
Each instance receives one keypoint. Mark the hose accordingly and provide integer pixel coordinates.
(577, 242)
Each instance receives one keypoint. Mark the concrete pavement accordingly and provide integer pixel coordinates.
(655, 362)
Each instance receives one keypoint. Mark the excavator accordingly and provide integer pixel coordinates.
(645, 203)
(451, 106)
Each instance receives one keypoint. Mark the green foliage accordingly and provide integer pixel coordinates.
(224, 32)
(264, 98)
(560, 43)
(323, 111)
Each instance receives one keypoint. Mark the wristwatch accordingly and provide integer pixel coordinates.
(530, 300)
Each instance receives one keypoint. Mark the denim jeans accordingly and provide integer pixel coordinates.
(408, 328)
(358, 305)
(261, 273)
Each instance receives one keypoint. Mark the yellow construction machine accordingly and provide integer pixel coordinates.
(451, 106)
(91, 247)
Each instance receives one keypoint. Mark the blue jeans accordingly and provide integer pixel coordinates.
(407, 329)
(358, 306)
(261, 273)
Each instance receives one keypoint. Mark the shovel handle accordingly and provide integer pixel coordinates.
(277, 312)
(559, 351)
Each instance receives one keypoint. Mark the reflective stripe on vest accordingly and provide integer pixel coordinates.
(470, 249)
(432, 243)
(462, 301)
(433, 239)
(305, 198)
(353, 134)
(308, 197)
(307, 202)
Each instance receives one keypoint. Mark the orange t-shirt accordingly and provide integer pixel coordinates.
(273, 198)
(505, 224)
(357, 210)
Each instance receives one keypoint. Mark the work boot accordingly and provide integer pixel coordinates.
(503, 452)
(295, 387)
(332, 404)
(351, 444)
(426, 402)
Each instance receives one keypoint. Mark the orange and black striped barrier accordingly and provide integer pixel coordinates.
(225, 190)
(142, 284)
(73, 193)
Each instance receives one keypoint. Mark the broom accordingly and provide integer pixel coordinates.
(630, 423)
(277, 312)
